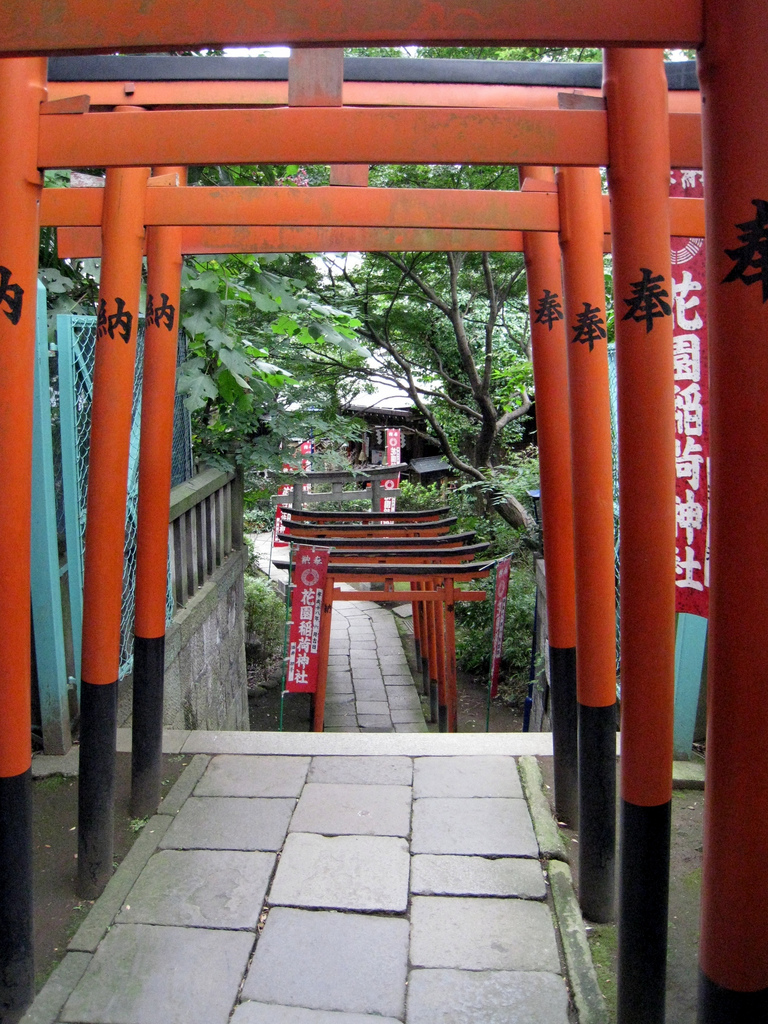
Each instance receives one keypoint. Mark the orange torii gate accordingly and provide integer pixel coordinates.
(734, 955)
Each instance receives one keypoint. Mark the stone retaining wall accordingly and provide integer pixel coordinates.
(205, 677)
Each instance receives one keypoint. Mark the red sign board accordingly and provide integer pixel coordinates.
(310, 569)
(388, 503)
(691, 409)
(499, 618)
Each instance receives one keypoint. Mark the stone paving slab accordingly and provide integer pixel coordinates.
(269, 1013)
(488, 827)
(397, 679)
(229, 823)
(393, 771)
(200, 888)
(142, 974)
(343, 872)
(477, 876)
(401, 698)
(486, 997)
(477, 933)
(342, 809)
(372, 707)
(356, 963)
(233, 775)
(460, 777)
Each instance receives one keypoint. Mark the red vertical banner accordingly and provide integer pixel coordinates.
(691, 409)
(308, 574)
(388, 503)
(499, 618)
(282, 491)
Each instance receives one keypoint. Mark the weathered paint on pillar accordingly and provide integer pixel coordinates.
(155, 457)
(553, 429)
(22, 88)
(117, 323)
(581, 240)
(635, 88)
(733, 69)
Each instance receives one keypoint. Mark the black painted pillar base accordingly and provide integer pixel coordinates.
(719, 1005)
(17, 965)
(147, 729)
(434, 702)
(597, 812)
(425, 684)
(442, 718)
(643, 910)
(96, 793)
(562, 681)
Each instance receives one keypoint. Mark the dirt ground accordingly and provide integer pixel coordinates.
(58, 911)
(684, 895)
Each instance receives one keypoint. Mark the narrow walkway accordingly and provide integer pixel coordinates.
(324, 888)
(370, 687)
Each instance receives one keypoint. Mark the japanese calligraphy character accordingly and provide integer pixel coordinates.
(302, 660)
(305, 628)
(549, 309)
(303, 647)
(688, 178)
(688, 461)
(120, 322)
(589, 326)
(301, 677)
(689, 414)
(681, 291)
(648, 302)
(686, 352)
(687, 567)
(305, 559)
(12, 295)
(307, 613)
(753, 254)
(308, 597)
(318, 560)
(689, 515)
(164, 312)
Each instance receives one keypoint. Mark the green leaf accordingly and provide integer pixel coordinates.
(237, 364)
(198, 388)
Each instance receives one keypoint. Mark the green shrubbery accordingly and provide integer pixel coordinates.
(264, 626)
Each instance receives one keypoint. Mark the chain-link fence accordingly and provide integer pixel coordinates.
(76, 342)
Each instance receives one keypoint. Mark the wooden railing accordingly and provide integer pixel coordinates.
(368, 482)
(205, 525)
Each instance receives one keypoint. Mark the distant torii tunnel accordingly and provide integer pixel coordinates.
(638, 136)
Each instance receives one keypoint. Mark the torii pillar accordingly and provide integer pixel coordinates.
(117, 324)
(22, 89)
(155, 456)
(635, 87)
(550, 372)
(581, 241)
(733, 69)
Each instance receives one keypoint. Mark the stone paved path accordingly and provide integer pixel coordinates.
(335, 888)
(370, 687)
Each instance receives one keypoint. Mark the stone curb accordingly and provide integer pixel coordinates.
(585, 991)
(182, 788)
(97, 924)
(688, 775)
(547, 833)
(57, 990)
